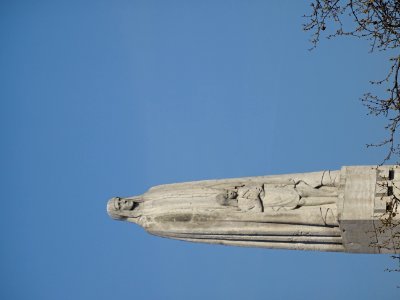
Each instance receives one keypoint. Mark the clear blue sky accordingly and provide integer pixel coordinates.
(105, 98)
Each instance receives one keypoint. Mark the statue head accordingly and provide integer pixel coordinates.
(119, 208)
(228, 198)
(231, 194)
(124, 204)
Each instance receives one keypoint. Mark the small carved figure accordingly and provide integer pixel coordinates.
(228, 198)
(249, 198)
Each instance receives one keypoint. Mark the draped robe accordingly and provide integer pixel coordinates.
(295, 211)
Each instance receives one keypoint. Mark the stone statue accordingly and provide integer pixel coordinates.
(325, 211)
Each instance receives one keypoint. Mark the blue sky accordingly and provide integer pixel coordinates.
(107, 98)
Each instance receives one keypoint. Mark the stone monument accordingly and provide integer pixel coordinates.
(351, 210)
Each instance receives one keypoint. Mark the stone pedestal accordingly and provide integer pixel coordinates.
(366, 214)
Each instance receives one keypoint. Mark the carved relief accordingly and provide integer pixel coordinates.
(246, 198)
(276, 197)
(297, 195)
(249, 198)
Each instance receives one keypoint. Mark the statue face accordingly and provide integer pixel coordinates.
(123, 208)
(231, 194)
(125, 204)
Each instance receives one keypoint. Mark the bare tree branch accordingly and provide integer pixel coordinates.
(377, 21)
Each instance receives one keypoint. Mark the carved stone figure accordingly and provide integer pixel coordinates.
(326, 211)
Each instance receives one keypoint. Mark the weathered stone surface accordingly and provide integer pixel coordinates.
(342, 210)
